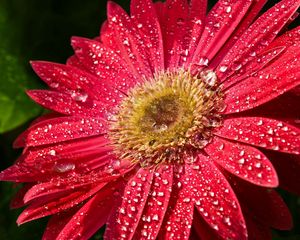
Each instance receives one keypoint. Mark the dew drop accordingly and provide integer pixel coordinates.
(64, 167)
(79, 96)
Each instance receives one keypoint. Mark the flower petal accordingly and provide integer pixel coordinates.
(262, 132)
(196, 21)
(179, 216)
(88, 220)
(288, 168)
(105, 63)
(266, 84)
(252, 13)
(174, 29)
(214, 197)
(263, 204)
(202, 229)
(258, 230)
(128, 215)
(74, 81)
(61, 129)
(46, 206)
(243, 161)
(157, 204)
(80, 104)
(258, 36)
(219, 25)
(57, 223)
(144, 13)
(128, 40)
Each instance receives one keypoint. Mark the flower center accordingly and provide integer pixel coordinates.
(163, 118)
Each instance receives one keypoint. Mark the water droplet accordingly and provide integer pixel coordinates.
(223, 69)
(228, 9)
(52, 152)
(79, 96)
(209, 77)
(64, 167)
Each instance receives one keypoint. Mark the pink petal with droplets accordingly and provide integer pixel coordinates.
(262, 132)
(105, 63)
(78, 104)
(215, 199)
(268, 84)
(219, 25)
(57, 223)
(61, 129)
(278, 48)
(75, 82)
(252, 13)
(156, 205)
(92, 216)
(258, 36)
(202, 229)
(179, 215)
(196, 21)
(243, 161)
(75, 62)
(128, 40)
(257, 64)
(284, 108)
(42, 207)
(145, 16)
(129, 213)
(174, 29)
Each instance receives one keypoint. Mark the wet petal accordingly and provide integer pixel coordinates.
(61, 129)
(174, 30)
(88, 220)
(215, 200)
(195, 26)
(57, 222)
(128, 40)
(74, 81)
(179, 216)
(105, 63)
(42, 207)
(78, 104)
(202, 229)
(264, 204)
(145, 16)
(157, 204)
(219, 25)
(268, 83)
(129, 213)
(252, 13)
(243, 161)
(262, 132)
(258, 36)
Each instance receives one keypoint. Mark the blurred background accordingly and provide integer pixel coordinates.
(41, 30)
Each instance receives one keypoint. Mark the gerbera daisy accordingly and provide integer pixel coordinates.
(163, 126)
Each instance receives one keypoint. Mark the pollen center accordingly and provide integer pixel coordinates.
(163, 118)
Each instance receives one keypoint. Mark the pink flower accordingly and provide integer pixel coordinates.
(163, 126)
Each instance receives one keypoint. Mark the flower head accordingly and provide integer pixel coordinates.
(164, 125)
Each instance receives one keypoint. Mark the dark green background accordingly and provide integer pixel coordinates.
(41, 30)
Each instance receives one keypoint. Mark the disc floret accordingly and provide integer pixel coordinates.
(163, 118)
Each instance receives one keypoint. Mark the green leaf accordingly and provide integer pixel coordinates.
(16, 108)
